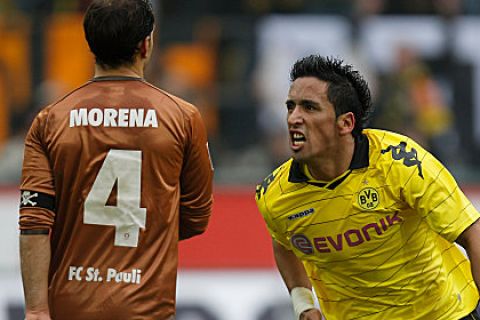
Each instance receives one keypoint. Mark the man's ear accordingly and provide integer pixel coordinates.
(144, 44)
(346, 123)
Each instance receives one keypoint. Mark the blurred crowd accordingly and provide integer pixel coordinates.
(208, 54)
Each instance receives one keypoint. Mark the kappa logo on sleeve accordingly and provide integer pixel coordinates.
(27, 199)
(410, 158)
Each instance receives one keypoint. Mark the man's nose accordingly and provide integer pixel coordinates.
(295, 116)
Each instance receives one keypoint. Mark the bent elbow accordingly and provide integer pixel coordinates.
(193, 225)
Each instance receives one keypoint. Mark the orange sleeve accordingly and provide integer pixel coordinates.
(196, 180)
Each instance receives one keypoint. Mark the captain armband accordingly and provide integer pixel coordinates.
(34, 199)
(302, 300)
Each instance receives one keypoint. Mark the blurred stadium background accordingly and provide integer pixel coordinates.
(231, 59)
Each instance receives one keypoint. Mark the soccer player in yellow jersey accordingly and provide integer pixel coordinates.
(366, 217)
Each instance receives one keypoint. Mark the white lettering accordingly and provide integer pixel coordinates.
(133, 276)
(137, 276)
(118, 277)
(90, 274)
(111, 117)
(123, 117)
(78, 117)
(111, 273)
(74, 273)
(93, 274)
(136, 118)
(151, 119)
(95, 117)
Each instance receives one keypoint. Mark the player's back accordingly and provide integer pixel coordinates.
(117, 149)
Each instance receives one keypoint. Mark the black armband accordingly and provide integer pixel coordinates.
(34, 199)
(35, 231)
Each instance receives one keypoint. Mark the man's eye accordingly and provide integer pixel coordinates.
(290, 106)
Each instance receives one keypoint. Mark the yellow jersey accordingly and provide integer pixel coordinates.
(377, 242)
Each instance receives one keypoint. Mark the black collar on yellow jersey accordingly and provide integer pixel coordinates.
(359, 160)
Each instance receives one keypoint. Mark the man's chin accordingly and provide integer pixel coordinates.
(297, 156)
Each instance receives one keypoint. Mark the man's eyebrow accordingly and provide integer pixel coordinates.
(308, 101)
(303, 101)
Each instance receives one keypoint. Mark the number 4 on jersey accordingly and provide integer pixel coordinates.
(124, 168)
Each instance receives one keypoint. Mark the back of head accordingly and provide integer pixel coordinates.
(347, 90)
(115, 28)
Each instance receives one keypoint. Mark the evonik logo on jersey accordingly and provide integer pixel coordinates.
(348, 238)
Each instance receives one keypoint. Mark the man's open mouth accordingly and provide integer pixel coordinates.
(298, 139)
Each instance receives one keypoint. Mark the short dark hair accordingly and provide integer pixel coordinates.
(114, 29)
(347, 90)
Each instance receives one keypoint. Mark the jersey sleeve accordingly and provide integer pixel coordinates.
(432, 191)
(276, 231)
(196, 180)
(37, 205)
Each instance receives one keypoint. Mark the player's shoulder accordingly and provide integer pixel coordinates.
(391, 150)
(384, 141)
(41, 118)
(183, 105)
(273, 181)
(380, 138)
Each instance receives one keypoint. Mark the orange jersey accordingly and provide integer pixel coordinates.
(118, 171)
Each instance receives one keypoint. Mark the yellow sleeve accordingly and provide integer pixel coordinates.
(429, 188)
(262, 198)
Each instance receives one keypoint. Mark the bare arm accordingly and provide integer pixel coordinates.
(470, 240)
(291, 269)
(35, 262)
(294, 275)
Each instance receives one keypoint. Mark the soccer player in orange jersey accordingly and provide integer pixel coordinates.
(115, 174)
(367, 217)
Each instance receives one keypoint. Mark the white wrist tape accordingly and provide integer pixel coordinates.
(302, 300)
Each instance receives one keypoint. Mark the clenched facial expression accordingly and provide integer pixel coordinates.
(311, 120)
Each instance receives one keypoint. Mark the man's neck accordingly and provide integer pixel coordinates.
(335, 163)
(135, 71)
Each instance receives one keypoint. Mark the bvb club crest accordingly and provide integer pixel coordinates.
(368, 198)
